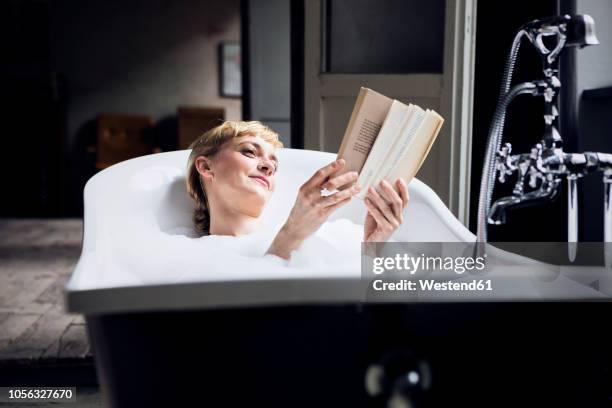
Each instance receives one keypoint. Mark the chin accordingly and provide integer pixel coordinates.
(258, 192)
(256, 202)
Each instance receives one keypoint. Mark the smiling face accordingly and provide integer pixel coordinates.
(241, 176)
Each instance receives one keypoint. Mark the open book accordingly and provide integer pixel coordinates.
(387, 139)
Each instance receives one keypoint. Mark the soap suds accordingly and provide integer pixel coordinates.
(138, 252)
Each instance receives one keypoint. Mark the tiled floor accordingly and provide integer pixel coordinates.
(37, 257)
(36, 260)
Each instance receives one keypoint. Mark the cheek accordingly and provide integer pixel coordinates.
(249, 165)
(241, 162)
(234, 166)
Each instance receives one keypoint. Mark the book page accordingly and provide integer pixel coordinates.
(394, 122)
(368, 115)
(368, 132)
(402, 144)
(418, 149)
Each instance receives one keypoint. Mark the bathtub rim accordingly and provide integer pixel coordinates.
(262, 293)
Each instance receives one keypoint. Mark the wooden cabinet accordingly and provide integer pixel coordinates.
(123, 137)
(194, 121)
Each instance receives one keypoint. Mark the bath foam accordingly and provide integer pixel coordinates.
(143, 254)
(147, 234)
(336, 244)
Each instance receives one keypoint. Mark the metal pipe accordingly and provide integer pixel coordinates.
(572, 216)
(607, 180)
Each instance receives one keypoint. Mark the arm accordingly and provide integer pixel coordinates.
(311, 209)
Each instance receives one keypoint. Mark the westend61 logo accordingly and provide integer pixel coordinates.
(433, 271)
(412, 264)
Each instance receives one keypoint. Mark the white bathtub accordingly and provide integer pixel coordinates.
(153, 186)
(119, 198)
(270, 335)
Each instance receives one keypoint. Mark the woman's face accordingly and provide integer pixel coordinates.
(241, 175)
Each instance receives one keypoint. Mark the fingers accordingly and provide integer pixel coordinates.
(403, 191)
(382, 207)
(380, 219)
(323, 173)
(393, 199)
(341, 180)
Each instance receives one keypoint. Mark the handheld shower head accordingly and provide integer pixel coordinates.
(581, 31)
(570, 31)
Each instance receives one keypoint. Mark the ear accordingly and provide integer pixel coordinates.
(203, 166)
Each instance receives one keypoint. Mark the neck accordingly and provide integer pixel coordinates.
(225, 221)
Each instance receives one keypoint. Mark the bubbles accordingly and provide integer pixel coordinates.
(138, 248)
(336, 244)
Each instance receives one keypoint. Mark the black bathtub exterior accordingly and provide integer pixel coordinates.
(481, 354)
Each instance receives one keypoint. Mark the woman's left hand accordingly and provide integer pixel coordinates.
(385, 215)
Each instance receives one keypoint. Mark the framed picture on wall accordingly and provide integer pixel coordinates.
(230, 71)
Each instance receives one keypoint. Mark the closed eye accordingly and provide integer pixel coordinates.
(249, 152)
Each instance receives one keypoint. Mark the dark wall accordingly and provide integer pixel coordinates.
(70, 61)
(31, 112)
(135, 57)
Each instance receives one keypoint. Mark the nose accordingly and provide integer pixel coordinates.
(266, 166)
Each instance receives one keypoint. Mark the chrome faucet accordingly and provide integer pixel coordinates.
(540, 172)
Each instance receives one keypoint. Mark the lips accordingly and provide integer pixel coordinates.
(262, 180)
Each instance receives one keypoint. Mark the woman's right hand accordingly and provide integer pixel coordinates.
(311, 209)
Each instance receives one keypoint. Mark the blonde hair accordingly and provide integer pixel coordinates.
(208, 145)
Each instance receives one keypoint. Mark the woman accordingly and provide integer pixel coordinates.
(231, 176)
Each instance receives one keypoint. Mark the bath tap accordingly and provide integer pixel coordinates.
(544, 167)
(540, 172)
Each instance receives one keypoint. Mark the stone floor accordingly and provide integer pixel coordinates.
(40, 344)
(36, 260)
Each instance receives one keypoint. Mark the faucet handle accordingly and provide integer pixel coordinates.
(505, 150)
(536, 152)
(503, 162)
(534, 175)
